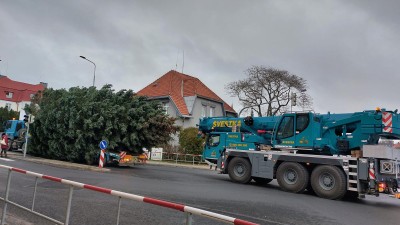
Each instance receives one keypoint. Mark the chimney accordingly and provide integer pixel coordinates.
(44, 84)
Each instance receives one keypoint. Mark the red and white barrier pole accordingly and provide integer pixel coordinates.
(166, 204)
(101, 160)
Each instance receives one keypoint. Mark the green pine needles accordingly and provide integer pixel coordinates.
(70, 124)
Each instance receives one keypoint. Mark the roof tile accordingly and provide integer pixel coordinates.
(171, 85)
(21, 91)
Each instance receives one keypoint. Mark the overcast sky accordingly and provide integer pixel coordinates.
(348, 51)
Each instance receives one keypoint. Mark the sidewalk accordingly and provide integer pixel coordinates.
(12, 219)
(52, 162)
(63, 164)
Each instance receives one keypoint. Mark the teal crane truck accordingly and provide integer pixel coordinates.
(332, 154)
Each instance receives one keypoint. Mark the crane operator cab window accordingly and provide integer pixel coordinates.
(302, 121)
(213, 140)
(286, 128)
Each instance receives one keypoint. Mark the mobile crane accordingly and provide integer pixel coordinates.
(306, 150)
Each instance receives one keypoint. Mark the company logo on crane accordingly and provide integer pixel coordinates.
(227, 123)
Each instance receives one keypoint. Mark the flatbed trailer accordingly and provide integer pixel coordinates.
(331, 177)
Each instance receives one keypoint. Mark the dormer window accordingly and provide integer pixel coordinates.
(9, 94)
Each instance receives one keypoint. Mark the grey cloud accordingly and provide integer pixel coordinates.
(347, 51)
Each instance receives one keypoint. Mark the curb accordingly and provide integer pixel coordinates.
(64, 164)
(56, 163)
(170, 164)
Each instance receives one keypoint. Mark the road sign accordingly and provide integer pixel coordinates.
(103, 144)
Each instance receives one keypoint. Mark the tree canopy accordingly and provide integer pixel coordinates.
(190, 142)
(6, 114)
(70, 124)
(268, 91)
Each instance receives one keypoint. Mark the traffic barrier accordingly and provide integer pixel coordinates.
(101, 161)
(122, 156)
(142, 158)
(121, 195)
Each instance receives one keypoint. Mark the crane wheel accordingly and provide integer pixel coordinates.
(239, 170)
(292, 177)
(329, 182)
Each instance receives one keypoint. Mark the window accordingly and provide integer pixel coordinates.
(213, 140)
(302, 121)
(212, 111)
(285, 129)
(8, 106)
(9, 94)
(19, 126)
(203, 111)
(8, 125)
(165, 107)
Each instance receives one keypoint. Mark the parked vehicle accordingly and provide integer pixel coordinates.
(332, 154)
(16, 132)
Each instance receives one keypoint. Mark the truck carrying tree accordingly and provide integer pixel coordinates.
(309, 151)
(16, 133)
(69, 124)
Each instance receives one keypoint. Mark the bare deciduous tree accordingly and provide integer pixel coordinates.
(268, 91)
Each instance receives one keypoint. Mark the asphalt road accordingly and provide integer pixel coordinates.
(199, 188)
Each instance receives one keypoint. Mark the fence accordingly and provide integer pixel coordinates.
(189, 211)
(182, 158)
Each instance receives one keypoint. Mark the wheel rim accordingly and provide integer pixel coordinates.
(290, 176)
(327, 181)
(239, 170)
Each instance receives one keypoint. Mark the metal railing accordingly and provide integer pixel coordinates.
(189, 211)
(179, 158)
(182, 158)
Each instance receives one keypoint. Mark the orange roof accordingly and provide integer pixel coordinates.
(170, 85)
(21, 91)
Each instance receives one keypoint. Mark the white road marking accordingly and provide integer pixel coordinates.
(6, 159)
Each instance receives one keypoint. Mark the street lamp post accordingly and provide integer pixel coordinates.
(94, 73)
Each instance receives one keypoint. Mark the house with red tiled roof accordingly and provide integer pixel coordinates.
(15, 95)
(186, 98)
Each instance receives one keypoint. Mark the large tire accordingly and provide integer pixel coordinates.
(329, 182)
(262, 181)
(239, 170)
(22, 133)
(12, 145)
(292, 177)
